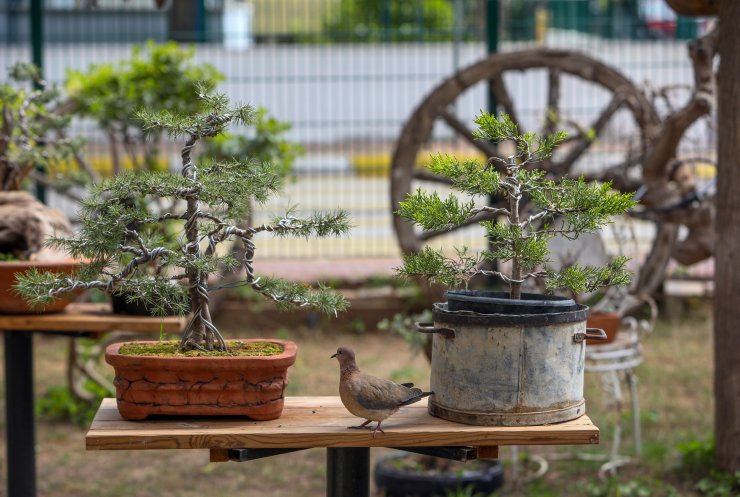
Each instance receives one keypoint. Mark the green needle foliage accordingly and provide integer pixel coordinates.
(568, 208)
(33, 138)
(120, 241)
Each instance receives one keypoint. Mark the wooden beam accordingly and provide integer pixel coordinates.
(86, 317)
(219, 455)
(488, 452)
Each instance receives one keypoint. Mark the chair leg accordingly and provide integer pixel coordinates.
(635, 400)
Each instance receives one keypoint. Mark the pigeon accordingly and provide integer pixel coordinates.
(368, 397)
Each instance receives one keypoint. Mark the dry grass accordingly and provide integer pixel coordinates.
(675, 395)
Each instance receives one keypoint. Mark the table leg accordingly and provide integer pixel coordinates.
(20, 429)
(348, 472)
(632, 380)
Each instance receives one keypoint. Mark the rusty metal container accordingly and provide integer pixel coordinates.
(508, 370)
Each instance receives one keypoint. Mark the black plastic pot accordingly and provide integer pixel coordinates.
(396, 482)
(485, 302)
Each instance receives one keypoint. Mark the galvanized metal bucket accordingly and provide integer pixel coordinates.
(508, 370)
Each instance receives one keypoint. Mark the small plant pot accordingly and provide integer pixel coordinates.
(197, 386)
(12, 303)
(607, 321)
(485, 302)
(398, 481)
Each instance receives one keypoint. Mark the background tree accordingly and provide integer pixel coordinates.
(156, 77)
(727, 258)
(388, 20)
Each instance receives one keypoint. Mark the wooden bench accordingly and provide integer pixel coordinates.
(309, 422)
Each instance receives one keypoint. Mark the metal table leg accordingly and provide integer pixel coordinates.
(636, 426)
(20, 429)
(348, 472)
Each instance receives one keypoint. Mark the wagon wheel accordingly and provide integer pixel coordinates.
(559, 67)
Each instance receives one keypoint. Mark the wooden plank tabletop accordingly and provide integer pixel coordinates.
(88, 317)
(319, 422)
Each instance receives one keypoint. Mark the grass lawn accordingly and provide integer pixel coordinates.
(676, 408)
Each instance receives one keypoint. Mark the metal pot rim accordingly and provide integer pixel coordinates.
(528, 299)
(441, 314)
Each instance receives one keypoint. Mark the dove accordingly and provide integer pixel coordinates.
(368, 397)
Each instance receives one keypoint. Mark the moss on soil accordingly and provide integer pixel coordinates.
(172, 349)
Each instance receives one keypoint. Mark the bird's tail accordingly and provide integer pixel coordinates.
(417, 395)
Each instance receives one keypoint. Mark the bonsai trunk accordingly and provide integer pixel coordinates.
(515, 286)
(198, 332)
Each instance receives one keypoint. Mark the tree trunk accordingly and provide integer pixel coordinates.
(727, 280)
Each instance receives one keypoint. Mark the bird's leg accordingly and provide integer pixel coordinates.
(378, 429)
(362, 426)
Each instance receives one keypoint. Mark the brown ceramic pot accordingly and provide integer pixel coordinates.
(607, 321)
(196, 386)
(11, 303)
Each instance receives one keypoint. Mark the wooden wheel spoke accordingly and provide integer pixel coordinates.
(503, 98)
(482, 216)
(552, 112)
(587, 136)
(559, 66)
(463, 130)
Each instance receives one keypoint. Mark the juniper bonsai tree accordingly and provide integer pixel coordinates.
(568, 208)
(118, 238)
(33, 130)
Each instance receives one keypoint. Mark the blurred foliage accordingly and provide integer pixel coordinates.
(640, 487)
(404, 325)
(264, 142)
(157, 77)
(59, 404)
(32, 126)
(697, 460)
(697, 456)
(386, 20)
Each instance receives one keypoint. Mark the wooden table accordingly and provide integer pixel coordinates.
(309, 422)
(18, 330)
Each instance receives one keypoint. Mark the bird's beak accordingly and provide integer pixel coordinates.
(333, 356)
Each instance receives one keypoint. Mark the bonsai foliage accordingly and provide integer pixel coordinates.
(265, 142)
(120, 238)
(567, 208)
(33, 129)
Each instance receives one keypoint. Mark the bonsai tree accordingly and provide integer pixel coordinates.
(119, 237)
(33, 124)
(567, 208)
(33, 144)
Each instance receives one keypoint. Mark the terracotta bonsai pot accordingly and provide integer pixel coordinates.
(12, 303)
(607, 321)
(195, 386)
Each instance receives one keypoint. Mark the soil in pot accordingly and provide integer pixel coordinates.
(12, 303)
(196, 383)
(426, 476)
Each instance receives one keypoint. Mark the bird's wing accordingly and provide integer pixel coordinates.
(376, 393)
